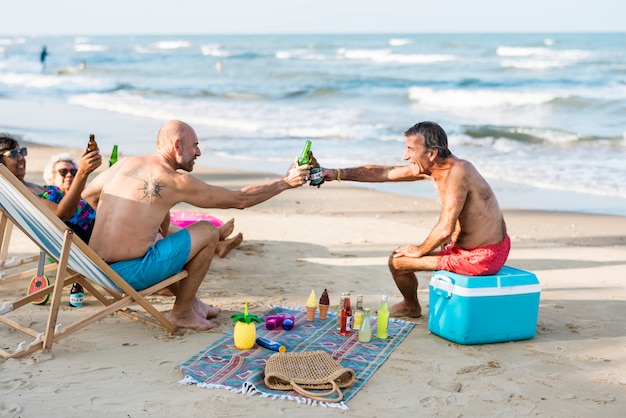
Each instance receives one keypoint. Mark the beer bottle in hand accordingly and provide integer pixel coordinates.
(316, 170)
(305, 157)
(92, 145)
(113, 158)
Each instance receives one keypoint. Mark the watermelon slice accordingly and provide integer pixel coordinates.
(39, 282)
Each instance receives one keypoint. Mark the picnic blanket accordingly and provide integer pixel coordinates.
(223, 366)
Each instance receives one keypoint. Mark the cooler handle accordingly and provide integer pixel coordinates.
(443, 283)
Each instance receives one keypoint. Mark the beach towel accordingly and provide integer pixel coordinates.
(221, 365)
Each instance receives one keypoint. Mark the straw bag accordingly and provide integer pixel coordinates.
(314, 370)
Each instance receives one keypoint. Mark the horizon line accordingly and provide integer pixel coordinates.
(521, 32)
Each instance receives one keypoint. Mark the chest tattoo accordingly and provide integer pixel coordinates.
(151, 189)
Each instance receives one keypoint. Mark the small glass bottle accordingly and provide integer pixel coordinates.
(113, 158)
(339, 308)
(346, 318)
(358, 312)
(383, 319)
(92, 145)
(305, 157)
(77, 296)
(316, 174)
(365, 332)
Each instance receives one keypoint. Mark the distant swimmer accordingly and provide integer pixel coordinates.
(219, 66)
(42, 57)
(82, 65)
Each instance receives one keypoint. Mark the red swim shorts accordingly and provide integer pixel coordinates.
(482, 261)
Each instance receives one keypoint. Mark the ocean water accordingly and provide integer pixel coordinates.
(536, 113)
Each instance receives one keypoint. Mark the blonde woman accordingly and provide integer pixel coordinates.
(59, 174)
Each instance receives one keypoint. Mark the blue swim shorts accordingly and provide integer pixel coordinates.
(165, 258)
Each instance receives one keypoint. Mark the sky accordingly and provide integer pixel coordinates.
(98, 17)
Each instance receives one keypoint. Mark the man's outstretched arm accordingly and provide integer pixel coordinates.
(198, 193)
(374, 174)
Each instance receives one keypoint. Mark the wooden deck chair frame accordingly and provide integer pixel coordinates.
(6, 228)
(76, 263)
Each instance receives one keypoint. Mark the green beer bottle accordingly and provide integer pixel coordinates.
(305, 157)
(113, 158)
(316, 172)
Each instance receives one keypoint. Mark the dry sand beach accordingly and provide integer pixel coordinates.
(338, 237)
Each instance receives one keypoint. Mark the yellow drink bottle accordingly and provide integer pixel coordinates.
(383, 319)
(358, 312)
(365, 332)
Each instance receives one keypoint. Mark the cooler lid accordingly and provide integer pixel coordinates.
(508, 281)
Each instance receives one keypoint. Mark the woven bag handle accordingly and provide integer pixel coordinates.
(320, 396)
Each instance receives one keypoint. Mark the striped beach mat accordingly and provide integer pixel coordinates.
(223, 366)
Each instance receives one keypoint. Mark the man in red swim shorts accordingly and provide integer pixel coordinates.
(481, 261)
(470, 227)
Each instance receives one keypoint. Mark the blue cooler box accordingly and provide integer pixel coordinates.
(484, 309)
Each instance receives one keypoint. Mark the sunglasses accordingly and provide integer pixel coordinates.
(63, 171)
(15, 153)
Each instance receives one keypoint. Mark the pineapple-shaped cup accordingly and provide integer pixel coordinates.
(245, 330)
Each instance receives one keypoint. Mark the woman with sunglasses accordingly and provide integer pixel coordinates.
(59, 175)
(60, 171)
(64, 203)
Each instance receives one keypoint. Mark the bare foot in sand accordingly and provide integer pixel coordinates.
(401, 309)
(192, 321)
(165, 292)
(204, 310)
(225, 246)
(226, 229)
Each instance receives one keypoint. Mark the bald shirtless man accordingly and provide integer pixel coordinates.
(471, 228)
(133, 199)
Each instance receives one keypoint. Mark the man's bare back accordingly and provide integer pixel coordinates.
(137, 196)
(480, 219)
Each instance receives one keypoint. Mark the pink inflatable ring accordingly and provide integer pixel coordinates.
(184, 218)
